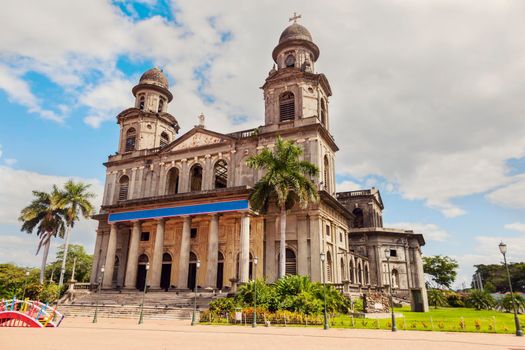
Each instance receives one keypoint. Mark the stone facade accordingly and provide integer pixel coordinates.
(171, 201)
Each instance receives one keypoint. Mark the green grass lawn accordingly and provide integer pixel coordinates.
(441, 319)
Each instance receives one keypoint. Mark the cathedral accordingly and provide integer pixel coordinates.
(176, 211)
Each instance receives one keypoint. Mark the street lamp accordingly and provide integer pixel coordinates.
(503, 250)
(323, 256)
(141, 318)
(25, 284)
(255, 261)
(387, 255)
(193, 320)
(100, 279)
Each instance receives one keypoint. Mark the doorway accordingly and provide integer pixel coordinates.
(220, 271)
(192, 271)
(165, 273)
(141, 272)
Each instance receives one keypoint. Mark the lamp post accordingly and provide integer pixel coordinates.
(323, 256)
(387, 255)
(25, 284)
(193, 319)
(503, 250)
(100, 279)
(141, 318)
(255, 261)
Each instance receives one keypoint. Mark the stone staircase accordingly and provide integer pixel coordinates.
(126, 304)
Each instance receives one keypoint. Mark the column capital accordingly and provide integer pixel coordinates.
(160, 220)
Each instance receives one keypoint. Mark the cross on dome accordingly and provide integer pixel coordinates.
(295, 17)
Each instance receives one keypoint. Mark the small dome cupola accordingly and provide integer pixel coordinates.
(296, 48)
(152, 92)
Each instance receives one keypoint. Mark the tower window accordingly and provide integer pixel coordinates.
(161, 105)
(196, 178)
(173, 181)
(289, 61)
(323, 111)
(164, 139)
(287, 106)
(221, 174)
(359, 219)
(123, 188)
(131, 136)
(142, 101)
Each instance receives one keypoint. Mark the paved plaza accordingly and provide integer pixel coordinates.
(80, 333)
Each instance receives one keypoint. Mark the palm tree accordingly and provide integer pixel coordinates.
(74, 200)
(45, 215)
(285, 183)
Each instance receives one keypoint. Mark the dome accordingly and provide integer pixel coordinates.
(295, 32)
(154, 76)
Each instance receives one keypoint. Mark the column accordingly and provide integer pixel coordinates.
(269, 259)
(315, 246)
(110, 257)
(213, 252)
(245, 249)
(132, 185)
(302, 246)
(184, 255)
(96, 257)
(156, 265)
(133, 255)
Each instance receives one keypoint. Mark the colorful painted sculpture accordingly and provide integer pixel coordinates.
(28, 313)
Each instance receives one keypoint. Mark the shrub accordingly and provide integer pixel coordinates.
(480, 300)
(358, 304)
(222, 306)
(50, 293)
(436, 297)
(505, 303)
(455, 299)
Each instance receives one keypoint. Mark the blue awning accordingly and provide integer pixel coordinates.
(157, 213)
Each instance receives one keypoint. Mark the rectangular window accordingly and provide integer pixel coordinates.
(393, 253)
(193, 233)
(328, 230)
(340, 236)
(144, 236)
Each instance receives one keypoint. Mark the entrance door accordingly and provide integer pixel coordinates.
(141, 272)
(165, 273)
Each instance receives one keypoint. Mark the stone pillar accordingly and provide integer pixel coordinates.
(111, 192)
(245, 249)
(302, 246)
(315, 246)
(213, 252)
(184, 255)
(156, 265)
(96, 258)
(132, 190)
(133, 254)
(269, 259)
(110, 257)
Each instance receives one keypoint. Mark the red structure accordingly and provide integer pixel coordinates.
(28, 313)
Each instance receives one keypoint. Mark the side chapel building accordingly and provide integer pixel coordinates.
(172, 200)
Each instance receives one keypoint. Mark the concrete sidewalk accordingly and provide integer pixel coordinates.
(80, 333)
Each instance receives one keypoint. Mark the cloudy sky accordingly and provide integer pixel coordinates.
(427, 101)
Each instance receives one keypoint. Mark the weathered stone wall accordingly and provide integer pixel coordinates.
(376, 302)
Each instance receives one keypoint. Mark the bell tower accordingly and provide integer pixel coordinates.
(292, 90)
(148, 125)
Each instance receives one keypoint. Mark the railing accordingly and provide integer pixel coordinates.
(353, 194)
(85, 286)
(245, 133)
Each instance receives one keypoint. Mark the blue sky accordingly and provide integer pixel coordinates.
(426, 102)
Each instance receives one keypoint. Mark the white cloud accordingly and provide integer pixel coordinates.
(10, 161)
(431, 232)
(17, 246)
(348, 186)
(512, 196)
(515, 226)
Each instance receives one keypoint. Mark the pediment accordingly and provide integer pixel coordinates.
(197, 137)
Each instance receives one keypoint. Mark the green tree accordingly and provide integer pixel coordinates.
(494, 277)
(48, 218)
(75, 200)
(437, 298)
(442, 269)
(83, 264)
(13, 280)
(480, 300)
(286, 183)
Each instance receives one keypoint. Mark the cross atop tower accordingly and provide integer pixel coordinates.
(295, 17)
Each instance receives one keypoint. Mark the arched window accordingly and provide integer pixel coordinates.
(161, 105)
(131, 136)
(291, 262)
(323, 111)
(367, 282)
(142, 101)
(173, 181)
(166, 258)
(359, 219)
(289, 61)
(343, 277)
(196, 178)
(329, 266)
(351, 271)
(123, 188)
(326, 173)
(143, 259)
(287, 106)
(164, 139)
(395, 278)
(221, 174)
